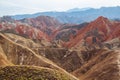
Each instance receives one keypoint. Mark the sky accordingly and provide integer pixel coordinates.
(13, 7)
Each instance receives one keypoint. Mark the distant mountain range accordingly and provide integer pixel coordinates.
(78, 9)
(77, 15)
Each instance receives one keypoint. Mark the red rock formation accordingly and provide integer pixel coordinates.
(0, 26)
(106, 28)
(44, 23)
(23, 30)
(44, 27)
(115, 31)
(67, 32)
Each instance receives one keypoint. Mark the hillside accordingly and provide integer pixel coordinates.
(102, 29)
(67, 31)
(45, 23)
(102, 65)
(31, 73)
(18, 54)
(85, 65)
(39, 28)
(3, 60)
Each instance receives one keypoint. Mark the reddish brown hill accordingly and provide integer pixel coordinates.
(67, 32)
(35, 28)
(116, 31)
(49, 29)
(23, 30)
(44, 23)
(41, 21)
(102, 28)
(31, 32)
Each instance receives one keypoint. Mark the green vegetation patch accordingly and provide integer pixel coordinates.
(30, 73)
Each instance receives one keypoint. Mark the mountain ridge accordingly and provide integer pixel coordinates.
(103, 26)
(79, 16)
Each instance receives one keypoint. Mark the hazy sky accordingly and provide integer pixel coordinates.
(11, 7)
